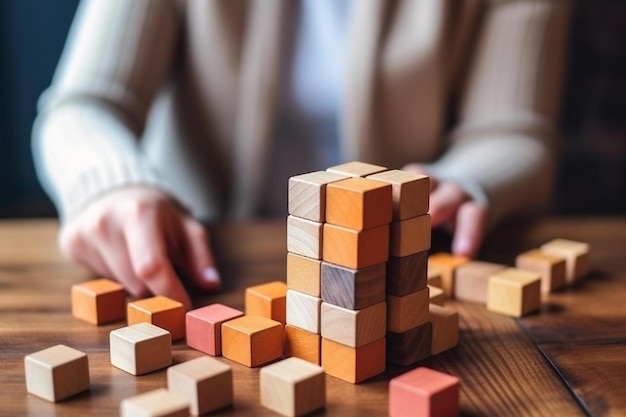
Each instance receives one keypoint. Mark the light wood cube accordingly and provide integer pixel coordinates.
(304, 237)
(140, 348)
(410, 236)
(204, 327)
(356, 169)
(514, 292)
(353, 288)
(303, 311)
(410, 192)
(303, 274)
(445, 322)
(407, 274)
(358, 203)
(471, 278)
(411, 346)
(355, 248)
(576, 256)
(408, 311)
(267, 300)
(156, 403)
(353, 364)
(424, 392)
(99, 301)
(307, 194)
(354, 328)
(436, 296)
(160, 311)
(446, 263)
(302, 344)
(434, 276)
(252, 340)
(550, 268)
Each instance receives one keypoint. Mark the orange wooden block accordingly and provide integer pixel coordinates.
(307, 194)
(355, 248)
(410, 192)
(356, 169)
(252, 340)
(99, 301)
(406, 312)
(204, 327)
(514, 292)
(576, 256)
(304, 237)
(358, 203)
(471, 278)
(267, 300)
(410, 236)
(445, 322)
(424, 392)
(434, 276)
(302, 344)
(550, 268)
(353, 364)
(446, 263)
(160, 311)
(304, 274)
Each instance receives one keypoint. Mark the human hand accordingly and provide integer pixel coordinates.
(134, 235)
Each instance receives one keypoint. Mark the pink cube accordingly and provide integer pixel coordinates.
(424, 392)
(204, 327)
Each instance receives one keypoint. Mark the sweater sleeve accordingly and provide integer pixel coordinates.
(86, 135)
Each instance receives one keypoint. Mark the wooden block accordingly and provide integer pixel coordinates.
(356, 169)
(445, 322)
(408, 311)
(252, 340)
(353, 364)
(447, 264)
(550, 268)
(99, 301)
(304, 237)
(156, 403)
(292, 387)
(471, 278)
(424, 392)
(411, 346)
(56, 373)
(205, 383)
(514, 292)
(353, 288)
(267, 300)
(354, 328)
(160, 311)
(302, 344)
(407, 274)
(434, 276)
(303, 311)
(140, 348)
(358, 203)
(307, 194)
(410, 192)
(576, 256)
(355, 248)
(303, 274)
(410, 236)
(204, 327)
(436, 296)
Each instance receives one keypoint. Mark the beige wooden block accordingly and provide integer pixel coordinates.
(410, 192)
(304, 274)
(205, 383)
(445, 322)
(161, 311)
(407, 312)
(576, 256)
(156, 403)
(353, 328)
(436, 296)
(358, 203)
(353, 364)
(307, 194)
(303, 311)
(292, 387)
(355, 249)
(302, 344)
(551, 268)
(434, 277)
(514, 292)
(471, 278)
(99, 301)
(356, 169)
(447, 264)
(56, 373)
(267, 300)
(252, 340)
(140, 348)
(407, 237)
(304, 237)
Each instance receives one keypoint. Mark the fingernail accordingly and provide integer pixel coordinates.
(211, 275)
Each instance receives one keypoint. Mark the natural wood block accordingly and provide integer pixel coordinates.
(303, 274)
(302, 344)
(356, 169)
(99, 301)
(411, 346)
(353, 288)
(436, 296)
(156, 403)
(410, 192)
(204, 327)
(252, 340)
(410, 236)
(358, 203)
(407, 274)
(514, 292)
(354, 328)
(471, 278)
(56, 373)
(140, 348)
(355, 248)
(205, 383)
(267, 300)
(424, 392)
(408, 311)
(292, 387)
(303, 311)
(161, 311)
(446, 263)
(307, 194)
(576, 256)
(434, 276)
(353, 364)
(551, 268)
(445, 322)
(304, 237)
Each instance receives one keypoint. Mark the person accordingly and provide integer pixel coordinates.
(166, 113)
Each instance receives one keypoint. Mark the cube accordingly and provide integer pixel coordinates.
(304, 237)
(514, 292)
(99, 301)
(411, 346)
(267, 300)
(358, 203)
(407, 274)
(407, 312)
(410, 236)
(434, 276)
(156, 403)
(424, 392)
(204, 327)
(354, 328)
(446, 263)
(576, 256)
(436, 296)
(355, 249)
(304, 274)
(307, 194)
(356, 169)
(445, 323)
(140, 348)
(302, 344)
(471, 278)
(353, 288)
(252, 340)
(550, 268)
(410, 192)
(303, 311)
(160, 311)
(353, 364)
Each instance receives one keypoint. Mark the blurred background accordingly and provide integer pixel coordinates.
(592, 166)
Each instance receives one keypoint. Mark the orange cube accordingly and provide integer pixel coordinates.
(353, 364)
(267, 300)
(355, 248)
(358, 203)
(99, 301)
(252, 340)
(160, 311)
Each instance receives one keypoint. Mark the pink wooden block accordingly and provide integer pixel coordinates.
(204, 327)
(424, 392)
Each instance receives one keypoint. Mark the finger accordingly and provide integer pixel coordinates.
(421, 169)
(77, 250)
(470, 227)
(200, 260)
(115, 256)
(445, 200)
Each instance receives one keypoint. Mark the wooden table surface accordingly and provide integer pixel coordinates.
(567, 360)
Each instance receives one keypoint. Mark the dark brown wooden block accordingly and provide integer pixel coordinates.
(411, 346)
(353, 288)
(407, 274)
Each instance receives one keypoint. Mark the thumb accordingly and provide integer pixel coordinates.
(199, 258)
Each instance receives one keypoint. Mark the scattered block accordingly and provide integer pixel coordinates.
(408, 311)
(434, 276)
(252, 340)
(355, 248)
(354, 328)
(424, 392)
(56, 373)
(358, 203)
(353, 364)
(446, 263)
(445, 323)
(161, 311)
(303, 274)
(410, 192)
(356, 169)
(292, 387)
(302, 344)
(307, 194)
(410, 236)
(140, 348)
(576, 256)
(407, 274)
(156, 403)
(550, 268)
(303, 311)
(471, 278)
(411, 346)
(99, 301)
(437, 296)
(267, 300)
(353, 288)
(514, 292)
(205, 383)
(204, 327)
(304, 237)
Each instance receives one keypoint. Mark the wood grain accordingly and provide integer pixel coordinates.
(99, 301)
(353, 364)
(160, 311)
(355, 249)
(303, 274)
(358, 203)
(304, 237)
(411, 346)
(410, 192)
(407, 274)
(303, 311)
(471, 279)
(252, 340)
(356, 169)
(514, 292)
(140, 348)
(408, 311)
(302, 344)
(409, 236)
(353, 328)
(307, 194)
(353, 289)
(267, 300)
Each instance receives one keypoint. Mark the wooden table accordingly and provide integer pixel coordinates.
(568, 360)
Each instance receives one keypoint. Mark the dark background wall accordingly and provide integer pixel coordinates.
(592, 173)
